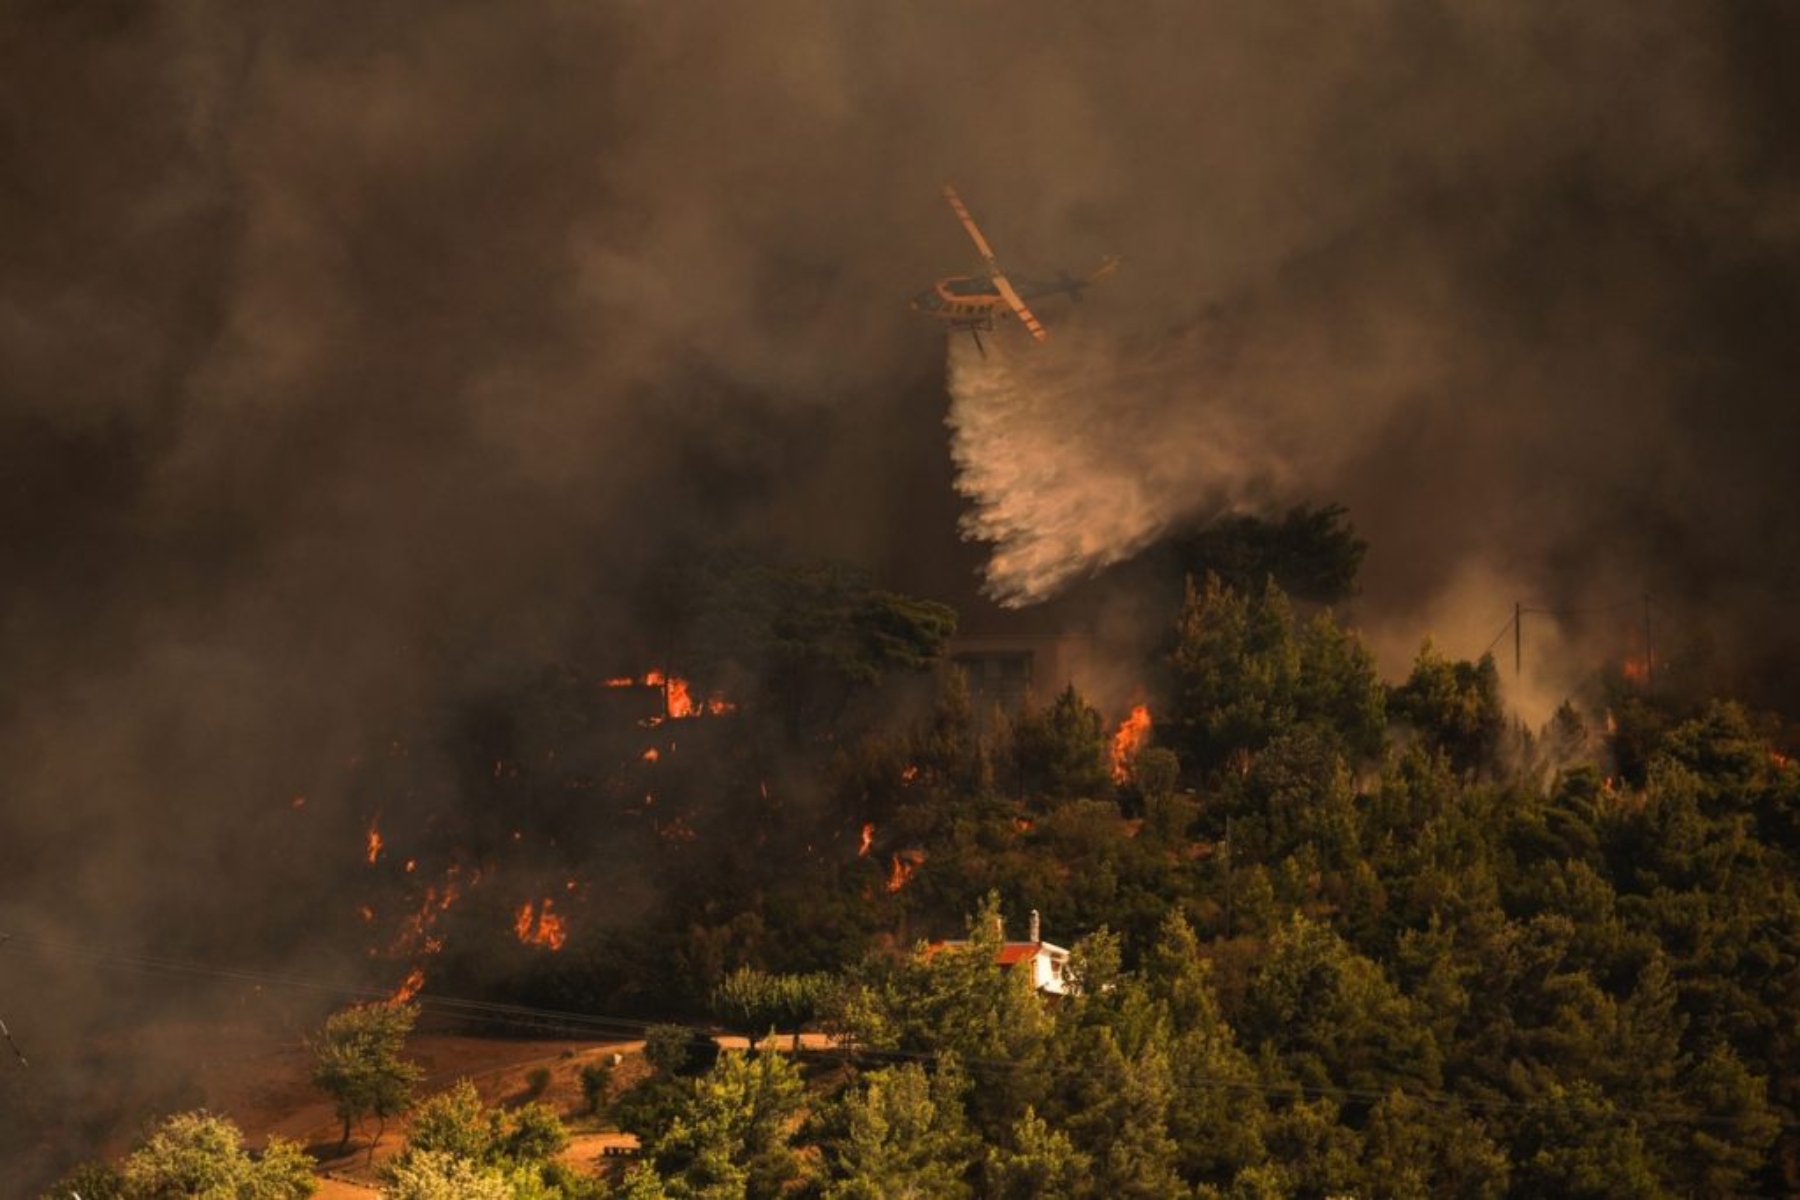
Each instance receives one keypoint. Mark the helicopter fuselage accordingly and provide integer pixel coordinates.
(965, 301)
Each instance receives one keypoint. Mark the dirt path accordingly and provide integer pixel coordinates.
(497, 1068)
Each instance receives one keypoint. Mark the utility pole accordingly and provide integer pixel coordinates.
(1649, 656)
(1518, 637)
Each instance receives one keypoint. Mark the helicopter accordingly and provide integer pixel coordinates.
(972, 303)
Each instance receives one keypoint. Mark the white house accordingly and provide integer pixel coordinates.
(1047, 963)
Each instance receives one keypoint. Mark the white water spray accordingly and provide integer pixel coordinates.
(1072, 462)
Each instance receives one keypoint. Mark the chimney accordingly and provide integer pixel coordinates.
(1034, 927)
(1000, 927)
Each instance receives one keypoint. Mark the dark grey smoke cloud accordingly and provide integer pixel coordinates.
(355, 355)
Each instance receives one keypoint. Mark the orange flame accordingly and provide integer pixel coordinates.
(409, 987)
(652, 754)
(904, 866)
(1636, 668)
(416, 934)
(678, 697)
(541, 928)
(868, 839)
(1133, 736)
(374, 843)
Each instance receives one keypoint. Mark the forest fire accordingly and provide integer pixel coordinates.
(542, 927)
(678, 697)
(868, 839)
(1133, 736)
(374, 843)
(416, 934)
(905, 864)
(409, 987)
(1639, 669)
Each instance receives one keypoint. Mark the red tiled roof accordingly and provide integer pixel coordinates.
(1008, 954)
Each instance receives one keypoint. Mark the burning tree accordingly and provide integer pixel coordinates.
(356, 1060)
(812, 637)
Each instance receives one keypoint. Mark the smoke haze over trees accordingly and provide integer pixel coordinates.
(358, 362)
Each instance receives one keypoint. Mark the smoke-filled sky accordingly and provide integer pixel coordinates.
(353, 356)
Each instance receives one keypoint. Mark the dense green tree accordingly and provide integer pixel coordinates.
(1334, 1016)
(1037, 1163)
(1414, 1150)
(202, 1156)
(1061, 752)
(1232, 674)
(1573, 1141)
(732, 1133)
(946, 750)
(756, 1002)
(672, 1049)
(1298, 793)
(90, 1181)
(1313, 1152)
(457, 1123)
(903, 1134)
(357, 1062)
(1242, 673)
(1721, 1143)
(1313, 553)
(442, 1175)
(1118, 1113)
(1455, 706)
(1217, 1111)
(807, 639)
(1338, 688)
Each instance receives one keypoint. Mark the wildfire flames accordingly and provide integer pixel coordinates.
(374, 843)
(409, 987)
(1637, 668)
(541, 927)
(678, 697)
(904, 865)
(1133, 736)
(868, 839)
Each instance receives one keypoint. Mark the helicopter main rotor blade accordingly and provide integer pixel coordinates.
(1018, 305)
(1007, 290)
(962, 214)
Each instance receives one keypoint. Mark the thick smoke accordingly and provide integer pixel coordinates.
(1503, 278)
(357, 359)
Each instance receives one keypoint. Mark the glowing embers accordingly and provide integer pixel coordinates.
(868, 839)
(373, 843)
(418, 932)
(679, 703)
(409, 987)
(904, 865)
(1132, 737)
(540, 926)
